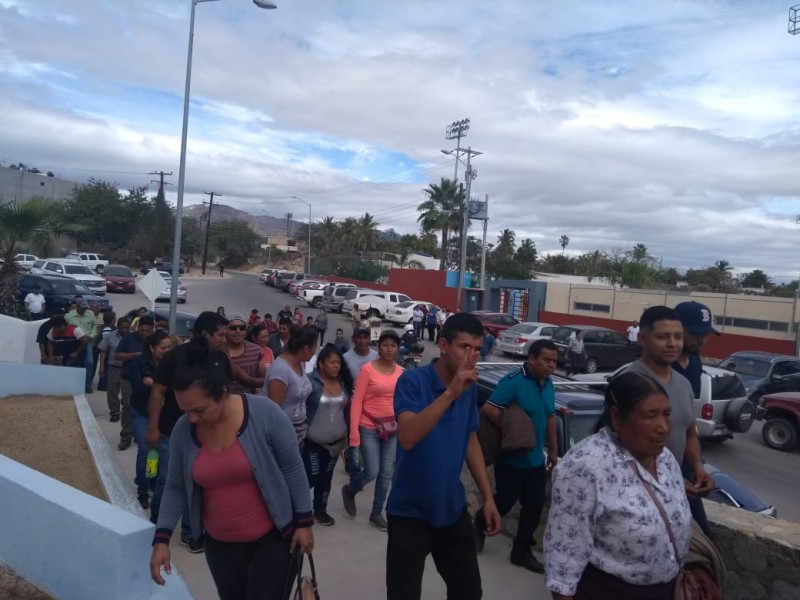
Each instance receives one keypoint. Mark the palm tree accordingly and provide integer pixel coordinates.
(366, 232)
(20, 223)
(326, 230)
(441, 212)
(563, 241)
(506, 242)
(639, 252)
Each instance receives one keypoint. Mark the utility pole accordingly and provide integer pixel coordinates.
(208, 225)
(160, 180)
(483, 246)
(794, 29)
(455, 131)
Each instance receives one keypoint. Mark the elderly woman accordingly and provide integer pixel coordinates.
(606, 536)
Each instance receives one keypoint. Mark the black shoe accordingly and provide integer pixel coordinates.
(89, 389)
(349, 502)
(124, 445)
(527, 560)
(114, 418)
(323, 518)
(480, 534)
(194, 546)
(144, 500)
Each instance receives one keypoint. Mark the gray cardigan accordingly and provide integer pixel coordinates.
(270, 444)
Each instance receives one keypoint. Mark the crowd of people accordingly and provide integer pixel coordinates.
(260, 411)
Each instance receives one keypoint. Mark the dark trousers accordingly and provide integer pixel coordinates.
(453, 550)
(575, 360)
(696, 504)
(431, 332)
(527, 486)
(249, 570)
(319, 466)
(321, 333)
(599, 585)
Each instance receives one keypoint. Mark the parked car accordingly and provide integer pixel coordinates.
(376, 304)
(272, 278)
(517, 339)
(94, 260)
(775, 385)
(25, 260)
(262, 277)
(353, 294)
(74, 269)
(296, 286)
(184, 321)
(284, 279)
(314, 295)
(757, 368)
(167, 293)
(402, 313)
(781, 412)
(605, 349)
(119, 278)
(578, 408)
(58, 291)
(333, 296)
(161, 266)
(495, 322)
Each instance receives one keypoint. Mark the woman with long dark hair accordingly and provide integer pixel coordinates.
(235, 462)
(286, 382)
(607, 536)
(326, 411)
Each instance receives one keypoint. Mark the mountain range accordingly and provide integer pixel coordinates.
(264, 225)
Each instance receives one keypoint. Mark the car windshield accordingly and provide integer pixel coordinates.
(70, 287)
(746, 366)
(726, 387)
(74, 255)
(119, 272)
(77, 270)
(522, 328)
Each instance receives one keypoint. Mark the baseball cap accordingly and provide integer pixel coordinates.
(696, 318)
(359, 330)
(82, 303)
(236, 317)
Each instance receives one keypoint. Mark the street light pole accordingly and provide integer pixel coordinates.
(308, 269)
(469, 175)
(208, 226)
(176, 250)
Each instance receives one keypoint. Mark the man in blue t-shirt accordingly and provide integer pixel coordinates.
(437, 417)
(523, 476)
(128, 351)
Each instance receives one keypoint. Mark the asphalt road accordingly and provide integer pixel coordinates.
(770, 474)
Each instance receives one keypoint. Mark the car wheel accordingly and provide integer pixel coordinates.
(372, 313)
(506, 353)
(780, 433)
(592, 365)
(316, 302)
(98, 269)
(740, 414)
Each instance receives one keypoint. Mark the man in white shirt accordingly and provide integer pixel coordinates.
(34, 304)
(361, 353)
(633, 333)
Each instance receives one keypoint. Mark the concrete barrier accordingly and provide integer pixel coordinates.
(18, 340)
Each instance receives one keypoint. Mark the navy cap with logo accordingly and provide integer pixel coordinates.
(360, 331)
(696, 318)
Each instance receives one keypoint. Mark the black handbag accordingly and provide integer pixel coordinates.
(301, 587)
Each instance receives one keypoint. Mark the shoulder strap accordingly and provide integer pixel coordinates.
(660, 508)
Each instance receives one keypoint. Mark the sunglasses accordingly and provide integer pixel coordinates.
(237, 327)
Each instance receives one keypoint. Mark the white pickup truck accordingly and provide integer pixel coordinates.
(95, 261)
(374, 305)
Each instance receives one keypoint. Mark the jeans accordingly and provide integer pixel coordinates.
(418, 330)
(249, 570)
(319, 466)
(113, 389)
(378, 456)
(527, 486)
(454, 554)
(89, 365)
(140, 423)
(163, 472)
(321, 333)
(575, 360)
(126, 433)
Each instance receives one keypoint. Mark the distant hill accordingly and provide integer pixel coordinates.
(262, 224)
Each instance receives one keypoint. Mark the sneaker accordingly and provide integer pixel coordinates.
(144, 500)
(194, 546)
(480, 534)
(114, 418)
(323, 518)
(348, 501)
(124, 445)
(378, 522)
(528, 561)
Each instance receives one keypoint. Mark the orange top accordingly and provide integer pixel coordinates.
(374, 394)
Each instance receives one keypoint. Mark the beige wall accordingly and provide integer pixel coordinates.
(627, 305)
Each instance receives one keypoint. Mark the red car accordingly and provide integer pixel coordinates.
(119, 278)
(495, 322)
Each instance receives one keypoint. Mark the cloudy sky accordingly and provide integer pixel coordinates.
(673, 124)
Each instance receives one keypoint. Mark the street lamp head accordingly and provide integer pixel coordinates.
(447, 151)
(265, 4)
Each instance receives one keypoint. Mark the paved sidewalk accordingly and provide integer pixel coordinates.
(350, 556)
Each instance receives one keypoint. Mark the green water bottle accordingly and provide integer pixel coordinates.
(151, 466)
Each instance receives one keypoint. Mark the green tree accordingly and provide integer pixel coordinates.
(526, 255)
(441, 212)
(755, 279)
(234, 242)
(506, 244)
(161, 228)
(639, 253)
(21, 223)
(366, 232)
(563, 241)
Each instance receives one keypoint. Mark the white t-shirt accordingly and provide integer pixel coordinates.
(633, 333)
(34, 302)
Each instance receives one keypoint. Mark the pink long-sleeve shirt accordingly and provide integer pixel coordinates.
(374, 394)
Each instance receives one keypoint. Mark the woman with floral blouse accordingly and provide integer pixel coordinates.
(605, 535)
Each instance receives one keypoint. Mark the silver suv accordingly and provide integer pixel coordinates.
(333, 297)
(74, 269)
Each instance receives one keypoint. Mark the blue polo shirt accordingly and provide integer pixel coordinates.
(132, 342)
(427, 479)
(538, 401)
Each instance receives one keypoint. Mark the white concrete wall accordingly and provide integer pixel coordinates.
(18, 340)
(41, 380)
